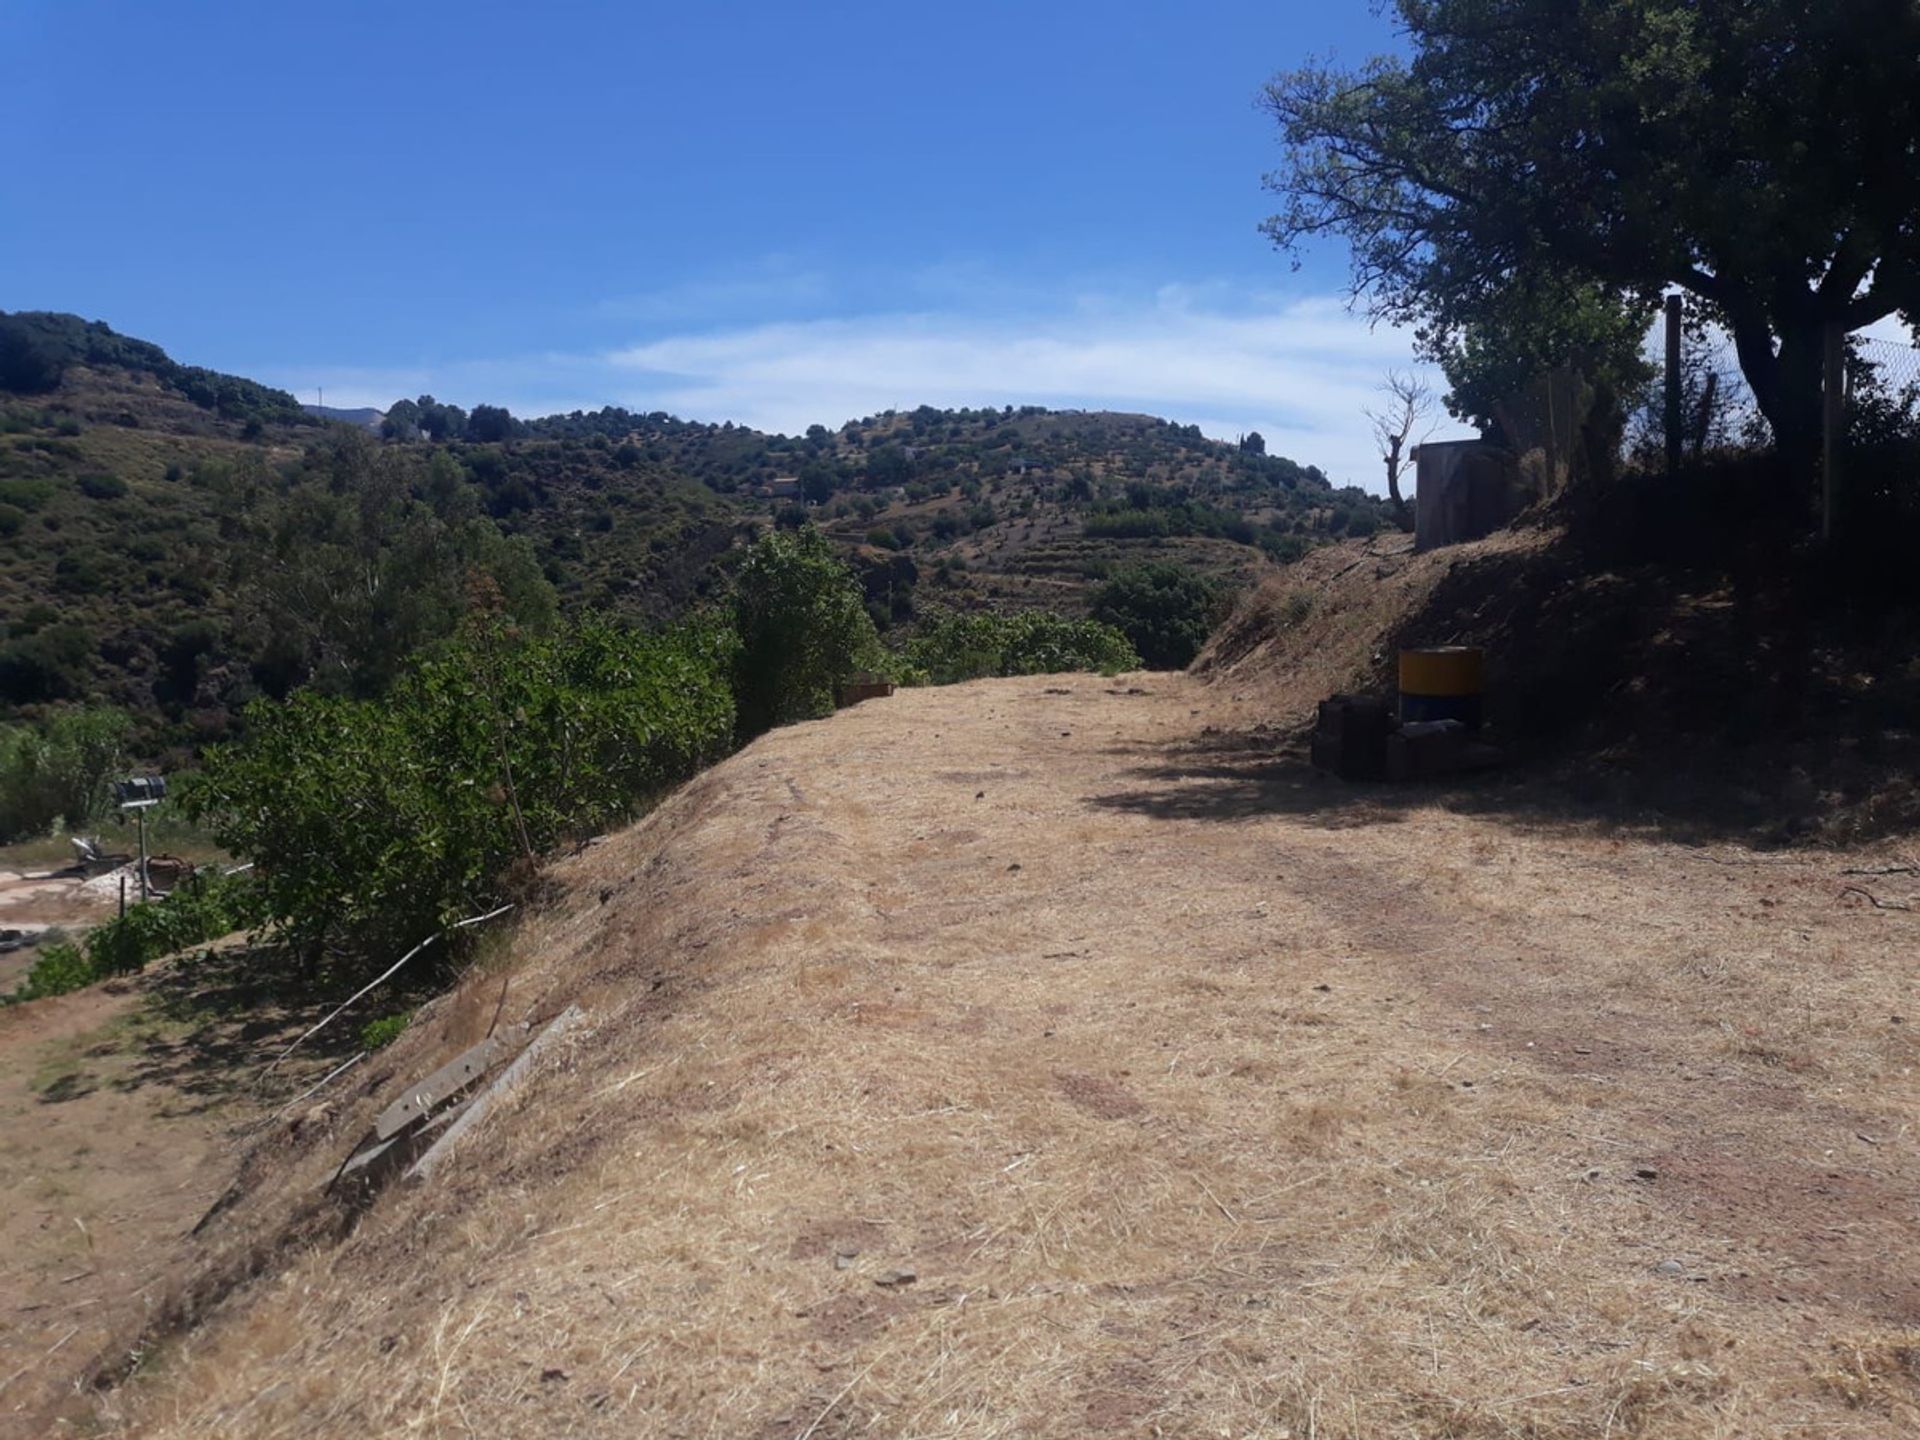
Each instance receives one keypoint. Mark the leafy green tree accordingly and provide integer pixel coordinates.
(372, 558)
(29, 364)
(1538, 323)
(440, 422)
(50, 664)
(818, 482)
(889, 465)
(401, 422)
(1166, 611)
(1758, 155)
(801, 617)
(490, 424)
(59, 771)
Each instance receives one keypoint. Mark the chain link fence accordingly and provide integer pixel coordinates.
(1719, 414)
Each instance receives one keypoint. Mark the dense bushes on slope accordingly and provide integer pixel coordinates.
(374, 824)
(955, 647)
(37, 347)
(57, 773)
(1165, 611)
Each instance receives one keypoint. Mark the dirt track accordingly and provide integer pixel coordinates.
(1201, 1096)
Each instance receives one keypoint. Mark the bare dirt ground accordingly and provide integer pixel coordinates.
(119, 1110)
(33, 900)
(1058, 1057)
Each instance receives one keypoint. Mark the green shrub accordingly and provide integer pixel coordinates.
(206, 907)
(58, 772)
(802, 623)
(102, 487)
(26, 493)
(60, 969)
(374, 824)
(378, 1034)
(1165, 610)
(971, 646)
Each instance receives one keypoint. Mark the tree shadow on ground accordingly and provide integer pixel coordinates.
(231, 1011)
(1227, 777)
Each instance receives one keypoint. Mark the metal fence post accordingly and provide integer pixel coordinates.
(1833, 422)
(1673, 385)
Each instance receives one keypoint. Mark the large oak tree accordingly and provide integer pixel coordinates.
(1762, 154)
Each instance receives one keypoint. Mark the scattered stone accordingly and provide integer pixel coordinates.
(893, 1278)
(1015, 866)
(842, 1262)
(1670, 1267)
(552, 1373)
(1646, 1172)
(979, 794)
(1323, 989)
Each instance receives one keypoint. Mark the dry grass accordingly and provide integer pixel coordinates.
(1191, 1118)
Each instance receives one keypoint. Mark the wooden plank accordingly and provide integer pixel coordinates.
(450, 1079)
(475, 1109)
(372, 1154)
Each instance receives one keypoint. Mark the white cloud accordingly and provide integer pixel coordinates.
(1299, 371)
(1300, 374)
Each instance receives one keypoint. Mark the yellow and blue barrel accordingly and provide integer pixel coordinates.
(1443, 682)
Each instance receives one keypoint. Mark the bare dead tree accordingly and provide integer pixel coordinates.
(1404, 419)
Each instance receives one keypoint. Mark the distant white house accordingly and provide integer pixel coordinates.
(784, 487)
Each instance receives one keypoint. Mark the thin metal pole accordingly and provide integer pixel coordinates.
(142, 814)
(1833, 423)
(1673, 385)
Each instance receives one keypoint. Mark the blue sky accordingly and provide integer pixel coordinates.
(776, 214)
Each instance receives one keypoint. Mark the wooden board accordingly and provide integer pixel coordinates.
(450, 1079)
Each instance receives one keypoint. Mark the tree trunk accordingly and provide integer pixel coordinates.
(1786, 385)
(1400, 516)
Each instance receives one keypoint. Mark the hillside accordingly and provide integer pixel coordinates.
(181, 541)
(365, 417)
(166, 560)
(1048, 1059)
(1064, 1056)
(1023, 507)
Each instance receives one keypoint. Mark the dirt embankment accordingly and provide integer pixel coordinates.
(1762, 696)
(1060, 1058)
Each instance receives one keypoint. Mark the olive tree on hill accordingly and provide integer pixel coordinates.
(1763, 155)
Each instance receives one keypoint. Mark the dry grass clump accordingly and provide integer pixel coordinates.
(956, 1070)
